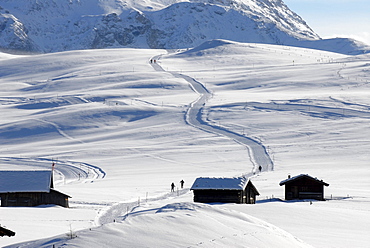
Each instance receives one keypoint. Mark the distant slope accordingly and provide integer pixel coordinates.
(59, 25)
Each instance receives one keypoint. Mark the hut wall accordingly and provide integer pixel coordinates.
(304, 189)
(20, 199)
(250, 196)
(31, 199)
(55, 197)
(227, 196)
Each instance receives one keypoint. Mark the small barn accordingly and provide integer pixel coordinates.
(227, 190)
(29, 189)
(304, 187)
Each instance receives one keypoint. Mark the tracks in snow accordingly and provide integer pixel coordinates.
(65, 171)
(194, 117)
(257, 152)
(120, 211)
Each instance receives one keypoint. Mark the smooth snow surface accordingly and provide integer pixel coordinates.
(180, 224)
(237, 183)
(122, 129)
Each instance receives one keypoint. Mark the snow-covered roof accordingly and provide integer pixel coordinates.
(25, 181)
(236, 183)
(300, 176)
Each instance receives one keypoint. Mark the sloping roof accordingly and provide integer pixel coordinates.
(236, 183)
(53, 190)
(6, 232)
(25, 181)
(302, 176)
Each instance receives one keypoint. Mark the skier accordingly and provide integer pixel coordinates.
(182, 183)
(260, 168)
(172, 187)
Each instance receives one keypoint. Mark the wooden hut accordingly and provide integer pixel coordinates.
(304, 187)
(6, 232)
(227, 190)
(29, 188)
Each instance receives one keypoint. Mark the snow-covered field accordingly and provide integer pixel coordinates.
(121, 131)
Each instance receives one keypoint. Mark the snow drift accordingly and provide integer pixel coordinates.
(179, 225)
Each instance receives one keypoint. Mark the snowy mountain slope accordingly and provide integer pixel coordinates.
(337, 45)
(201, 22)
(110, 109)
(60, 25)
(14, 35)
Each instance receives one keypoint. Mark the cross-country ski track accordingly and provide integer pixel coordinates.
(196, 116)
(257, 152)
(64, 171)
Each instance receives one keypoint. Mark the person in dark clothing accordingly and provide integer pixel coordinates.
(172, 187)
(182, 183)
(260, 168)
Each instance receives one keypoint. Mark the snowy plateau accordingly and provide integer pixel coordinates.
(121, 127)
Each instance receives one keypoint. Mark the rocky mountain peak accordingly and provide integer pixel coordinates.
(60, 25)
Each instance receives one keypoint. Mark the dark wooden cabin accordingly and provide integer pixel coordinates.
(29, 189)
(226, 190)
(6, 232)
(304, 187)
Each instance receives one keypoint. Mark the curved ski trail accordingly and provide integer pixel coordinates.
(66, 171)
(257, 151)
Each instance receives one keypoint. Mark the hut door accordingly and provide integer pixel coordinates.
(295, 191)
